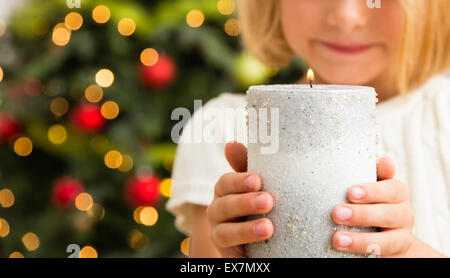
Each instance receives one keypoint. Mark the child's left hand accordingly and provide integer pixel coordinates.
(385, 204)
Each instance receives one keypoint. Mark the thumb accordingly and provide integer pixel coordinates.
(236, 154)
(385, 168)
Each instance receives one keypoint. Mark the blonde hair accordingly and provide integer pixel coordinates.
(424, 49)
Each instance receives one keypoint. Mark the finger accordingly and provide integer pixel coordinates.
(374, 215)
(385, 243)
(233, 206)
(386, 191)
(231, 234)
(233, 183)
(236, 154)
(385, 168)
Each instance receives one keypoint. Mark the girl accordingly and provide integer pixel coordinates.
(402, 49)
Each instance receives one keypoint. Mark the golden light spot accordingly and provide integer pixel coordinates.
(137, 240)
(148, 216)
(94, 93)
(101, 14)
(88, 252)
(6, 198)
(23, 146)
(57, 134)
(113, 159)
(165, 187)
(226, 7)
(1, 74)
(61, 34)
(110, 110)
(184, 246)
(126, 27)
(84, 201)
(97, 212)
(127, 163)
(16, 255)
(31, 241)
(149, 57)
(137, 214)
(232, 27)
(104, 78)
(2, 27)
(74, 21)
(195, 18)
(4, 228)
(59, 106)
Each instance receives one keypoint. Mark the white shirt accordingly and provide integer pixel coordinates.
(414, 132)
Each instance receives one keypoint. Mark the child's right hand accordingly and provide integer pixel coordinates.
(237, 195)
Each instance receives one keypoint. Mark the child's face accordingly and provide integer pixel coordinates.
(344, 41)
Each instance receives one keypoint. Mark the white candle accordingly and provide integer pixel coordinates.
(327, 138)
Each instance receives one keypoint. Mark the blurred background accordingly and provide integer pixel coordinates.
(86, 92)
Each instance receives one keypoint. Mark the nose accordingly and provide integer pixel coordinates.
(347, 15)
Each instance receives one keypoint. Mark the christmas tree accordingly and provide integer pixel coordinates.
(86, 95)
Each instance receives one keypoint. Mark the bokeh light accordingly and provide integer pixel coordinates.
(84, 201)
(226, 7)
(97, 212)
(94, 93)
(4, 228)
(137, 240)
(149, 57)
(2, 27)
(104, 78)
(137, 214)
(148, 216)
(74, 20)
(6, 198)
(61, 34)
(101, 14)
(1, 74)
(16, 255)
(110, 110)
(127, 163)
(195, 18)
(232, 27)
(126, 27)
(165, 187)
(23, 146)
(31, 241)
(184, 246)
(57, 134)
(59, 106)
(113, 159)
(88, 252)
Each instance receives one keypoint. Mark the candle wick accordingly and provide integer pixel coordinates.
(310, 83)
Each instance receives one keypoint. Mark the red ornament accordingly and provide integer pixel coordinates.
(142, 190)
(160, 75)
(65, 190)
(87, 118)
(8, 127)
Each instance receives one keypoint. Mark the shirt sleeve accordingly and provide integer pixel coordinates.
(197, 167)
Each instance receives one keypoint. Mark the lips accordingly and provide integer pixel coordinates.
(347, 48)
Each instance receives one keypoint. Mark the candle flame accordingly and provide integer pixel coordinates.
(310, 75)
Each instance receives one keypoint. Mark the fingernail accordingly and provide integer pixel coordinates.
(344, 240)
(357, 192)
(250, 182)
(260, 228)
(343, 213)
(260, 201)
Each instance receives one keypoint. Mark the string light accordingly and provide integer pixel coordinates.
(113, 159)
(84, 201)
(88, 252)
(226, 7)
(110, 110)
(31, 241)
(184, 246)
(59, 106)
(94, 93)
(137, 240)
(137, 214)
(1, 74)
(4, 228)
(149, 57)
(16, 255)
(6, 198)
(126, 27)
(101, 14)
(127, 163)
(232, 27)
(74, 21)
(61, 34)
(195, 18)
(57, 134)
(165, 187)
(104, 78)
(2, 27)
(148, 216)
(23, 146)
